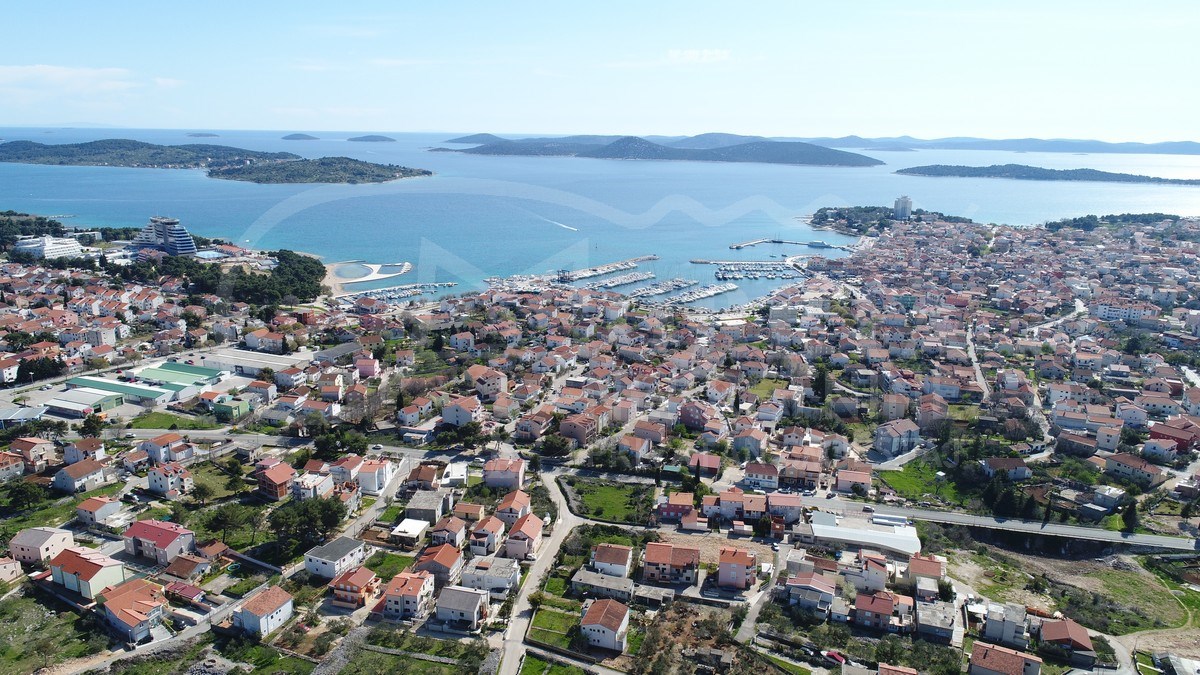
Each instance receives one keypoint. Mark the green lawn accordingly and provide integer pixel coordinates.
(556, 586)
(388, 565)
(767, 386)
(787, 666)
(36, 632)
(917, 479)
(964, 413)
(551, 638)
(554, 620)
(162, 420)
(620, 502)
(391, 514)
(535, 666)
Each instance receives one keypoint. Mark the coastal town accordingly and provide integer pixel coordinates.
(957, 446)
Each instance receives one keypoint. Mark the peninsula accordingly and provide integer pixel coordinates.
(1025, 172)
(705, 148)
(219, 160)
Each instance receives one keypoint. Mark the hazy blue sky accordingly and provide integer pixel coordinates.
(1108, 70)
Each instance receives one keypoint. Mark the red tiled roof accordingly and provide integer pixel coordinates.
(608, 613)
(266, 601)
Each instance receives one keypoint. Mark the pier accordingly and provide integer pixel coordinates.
(567, 276)
(623, 280)
(700, 294)
(668, 286)
(811, 244)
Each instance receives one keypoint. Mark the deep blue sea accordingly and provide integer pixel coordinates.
(482, 216)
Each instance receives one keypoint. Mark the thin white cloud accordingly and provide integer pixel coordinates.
(59, 79)
(679, 58)
(400, 63)
(692, 56)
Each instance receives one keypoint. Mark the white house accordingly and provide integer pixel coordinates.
(39, 544)
(264, 612)
(613, 560)
(605, 624)
(332, 558)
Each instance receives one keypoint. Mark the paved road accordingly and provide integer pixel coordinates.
(1017, 525)
(979, 378)
(522, 613)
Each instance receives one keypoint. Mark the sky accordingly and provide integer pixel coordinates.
(1113, 71)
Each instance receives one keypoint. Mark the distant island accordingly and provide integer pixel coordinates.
(477, 139)
(374, 138)
(1024, 172)
(323, 170)
(300, 137)
(1009, 144)
(203, 134)
(221, 161)
(703, 148)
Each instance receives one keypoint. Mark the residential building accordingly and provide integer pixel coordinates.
(613, 560)
(85, 571)
(409, 595)
(524, 538)
(264, 612)
(989, 659)
(334, 557)
(133, 608)
(354, 587)
(444, 562)
(737, 568)
(462, 608)
(497, 576)
(39, 544)
(158, 540)
(605, 624)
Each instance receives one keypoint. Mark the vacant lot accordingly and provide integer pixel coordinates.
(917, 479)
(711, 543)
(608, 500)
(35, 633)
(388, 565)
(1114, 596)
(162, 420)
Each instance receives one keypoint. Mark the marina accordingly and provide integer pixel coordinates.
(567, 276)
(622, 280)
(700, 293)
(758, 270)
(668, 286)
(397, 292)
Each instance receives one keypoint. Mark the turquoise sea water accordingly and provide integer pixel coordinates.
(493, 216)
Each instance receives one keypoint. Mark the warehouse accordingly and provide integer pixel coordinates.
(245, 362)
(132, 393)
(83, 401)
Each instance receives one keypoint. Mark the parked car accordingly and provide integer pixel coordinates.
(834, 657)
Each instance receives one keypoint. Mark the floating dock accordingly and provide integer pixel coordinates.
(700, 293)
(623, 280)
(668, 286)
(567, 276)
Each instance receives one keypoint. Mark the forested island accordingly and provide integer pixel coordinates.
(221, 161)
(373, 138)
(203, 134)
(703, 148)
(1025, 172)
(300, 137)
(323, 170)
